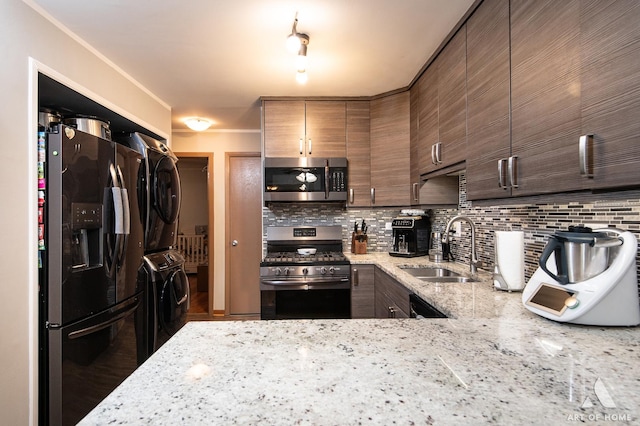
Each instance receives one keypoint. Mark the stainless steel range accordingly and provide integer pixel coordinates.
(305, 274)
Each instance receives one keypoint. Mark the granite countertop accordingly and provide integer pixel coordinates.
(491, 362)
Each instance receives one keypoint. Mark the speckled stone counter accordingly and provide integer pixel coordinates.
(492, 362)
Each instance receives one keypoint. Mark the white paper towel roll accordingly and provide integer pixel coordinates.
(510, 259)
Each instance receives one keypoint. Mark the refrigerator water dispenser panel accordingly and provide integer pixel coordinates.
(87, 240)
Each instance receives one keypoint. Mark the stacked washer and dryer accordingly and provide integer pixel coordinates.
(159, 192)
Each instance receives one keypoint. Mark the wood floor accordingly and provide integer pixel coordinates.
(200, 305)
(199, 299)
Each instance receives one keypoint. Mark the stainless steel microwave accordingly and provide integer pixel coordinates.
(305, 179)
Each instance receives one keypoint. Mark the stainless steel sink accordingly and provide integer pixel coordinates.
(440, 275)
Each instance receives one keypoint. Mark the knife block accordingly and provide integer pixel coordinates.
(359, 242)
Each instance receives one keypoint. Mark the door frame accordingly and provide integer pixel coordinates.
(227, 230)
(210, 224)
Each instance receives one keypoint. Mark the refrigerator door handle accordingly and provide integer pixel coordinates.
(126, 218)
(95, 328)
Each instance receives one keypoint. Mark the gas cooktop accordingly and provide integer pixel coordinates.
(278, 258)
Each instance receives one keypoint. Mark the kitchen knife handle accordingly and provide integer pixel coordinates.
(513, 171)
(356, 278)
(373, 195)
(352, 195)
(585, 148)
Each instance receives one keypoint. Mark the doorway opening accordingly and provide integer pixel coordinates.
(195, 229)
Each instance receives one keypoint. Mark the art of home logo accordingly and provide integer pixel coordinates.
(602, 394)
(603, 398)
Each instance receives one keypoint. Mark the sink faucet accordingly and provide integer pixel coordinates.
(474, 262)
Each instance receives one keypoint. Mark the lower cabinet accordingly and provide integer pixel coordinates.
(375, 294)
(391, 297)
(362, 291)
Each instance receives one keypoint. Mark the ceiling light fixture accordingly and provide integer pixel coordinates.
(297, 43)
(198, 124)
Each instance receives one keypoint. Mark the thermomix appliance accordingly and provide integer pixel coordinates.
(586, 277)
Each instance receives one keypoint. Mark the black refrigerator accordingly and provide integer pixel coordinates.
(93, 307)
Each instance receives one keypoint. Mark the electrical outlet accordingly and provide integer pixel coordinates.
(387, 226)
(458, 229)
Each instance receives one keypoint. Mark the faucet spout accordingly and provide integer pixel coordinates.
(473, 263)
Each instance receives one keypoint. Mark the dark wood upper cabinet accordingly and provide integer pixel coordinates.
(284, 128)
(488, 97)
(427, 125)
(301, 128)
(358, 154)
(545, 96)
(442, 108)
(452, 99)
(610, 45)
(326, 129)
(390, 149)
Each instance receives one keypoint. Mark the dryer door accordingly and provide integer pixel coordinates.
(165, 205)
(173, 303)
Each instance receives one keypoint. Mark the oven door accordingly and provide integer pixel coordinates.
(310, 298)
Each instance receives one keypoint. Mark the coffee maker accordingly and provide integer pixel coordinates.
(411, 234)
(587, 277)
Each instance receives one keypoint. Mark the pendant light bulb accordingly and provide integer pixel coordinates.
(293, 43)
(301, 77)
(301, 59)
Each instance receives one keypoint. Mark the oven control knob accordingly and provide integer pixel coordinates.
(286, 271)
(305, 271)
(278, 271)
(323, 270)
(331, 270)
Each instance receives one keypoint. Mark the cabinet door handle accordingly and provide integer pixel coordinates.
(301, 147)
(352, 195)
(415, 192)
(439, 153)
(513, 171)
(373, 195)
(433, 154)
(502, 176)
(585, 147)
(309, 146)
(356, 279)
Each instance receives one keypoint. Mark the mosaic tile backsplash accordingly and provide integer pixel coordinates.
(537, 221)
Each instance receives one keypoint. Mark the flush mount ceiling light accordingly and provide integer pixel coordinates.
(297, 43)
(198, 124)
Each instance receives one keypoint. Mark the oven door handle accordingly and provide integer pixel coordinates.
(310, 284)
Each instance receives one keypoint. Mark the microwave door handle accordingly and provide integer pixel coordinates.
(327, 179)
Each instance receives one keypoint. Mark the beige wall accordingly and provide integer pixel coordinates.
(25, 34)
(218, 143)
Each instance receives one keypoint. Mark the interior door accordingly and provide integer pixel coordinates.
(244, 234)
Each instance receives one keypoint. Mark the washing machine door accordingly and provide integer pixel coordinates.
(173, 302)
(165, 204)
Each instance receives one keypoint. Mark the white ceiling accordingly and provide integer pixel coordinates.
(215, 58)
